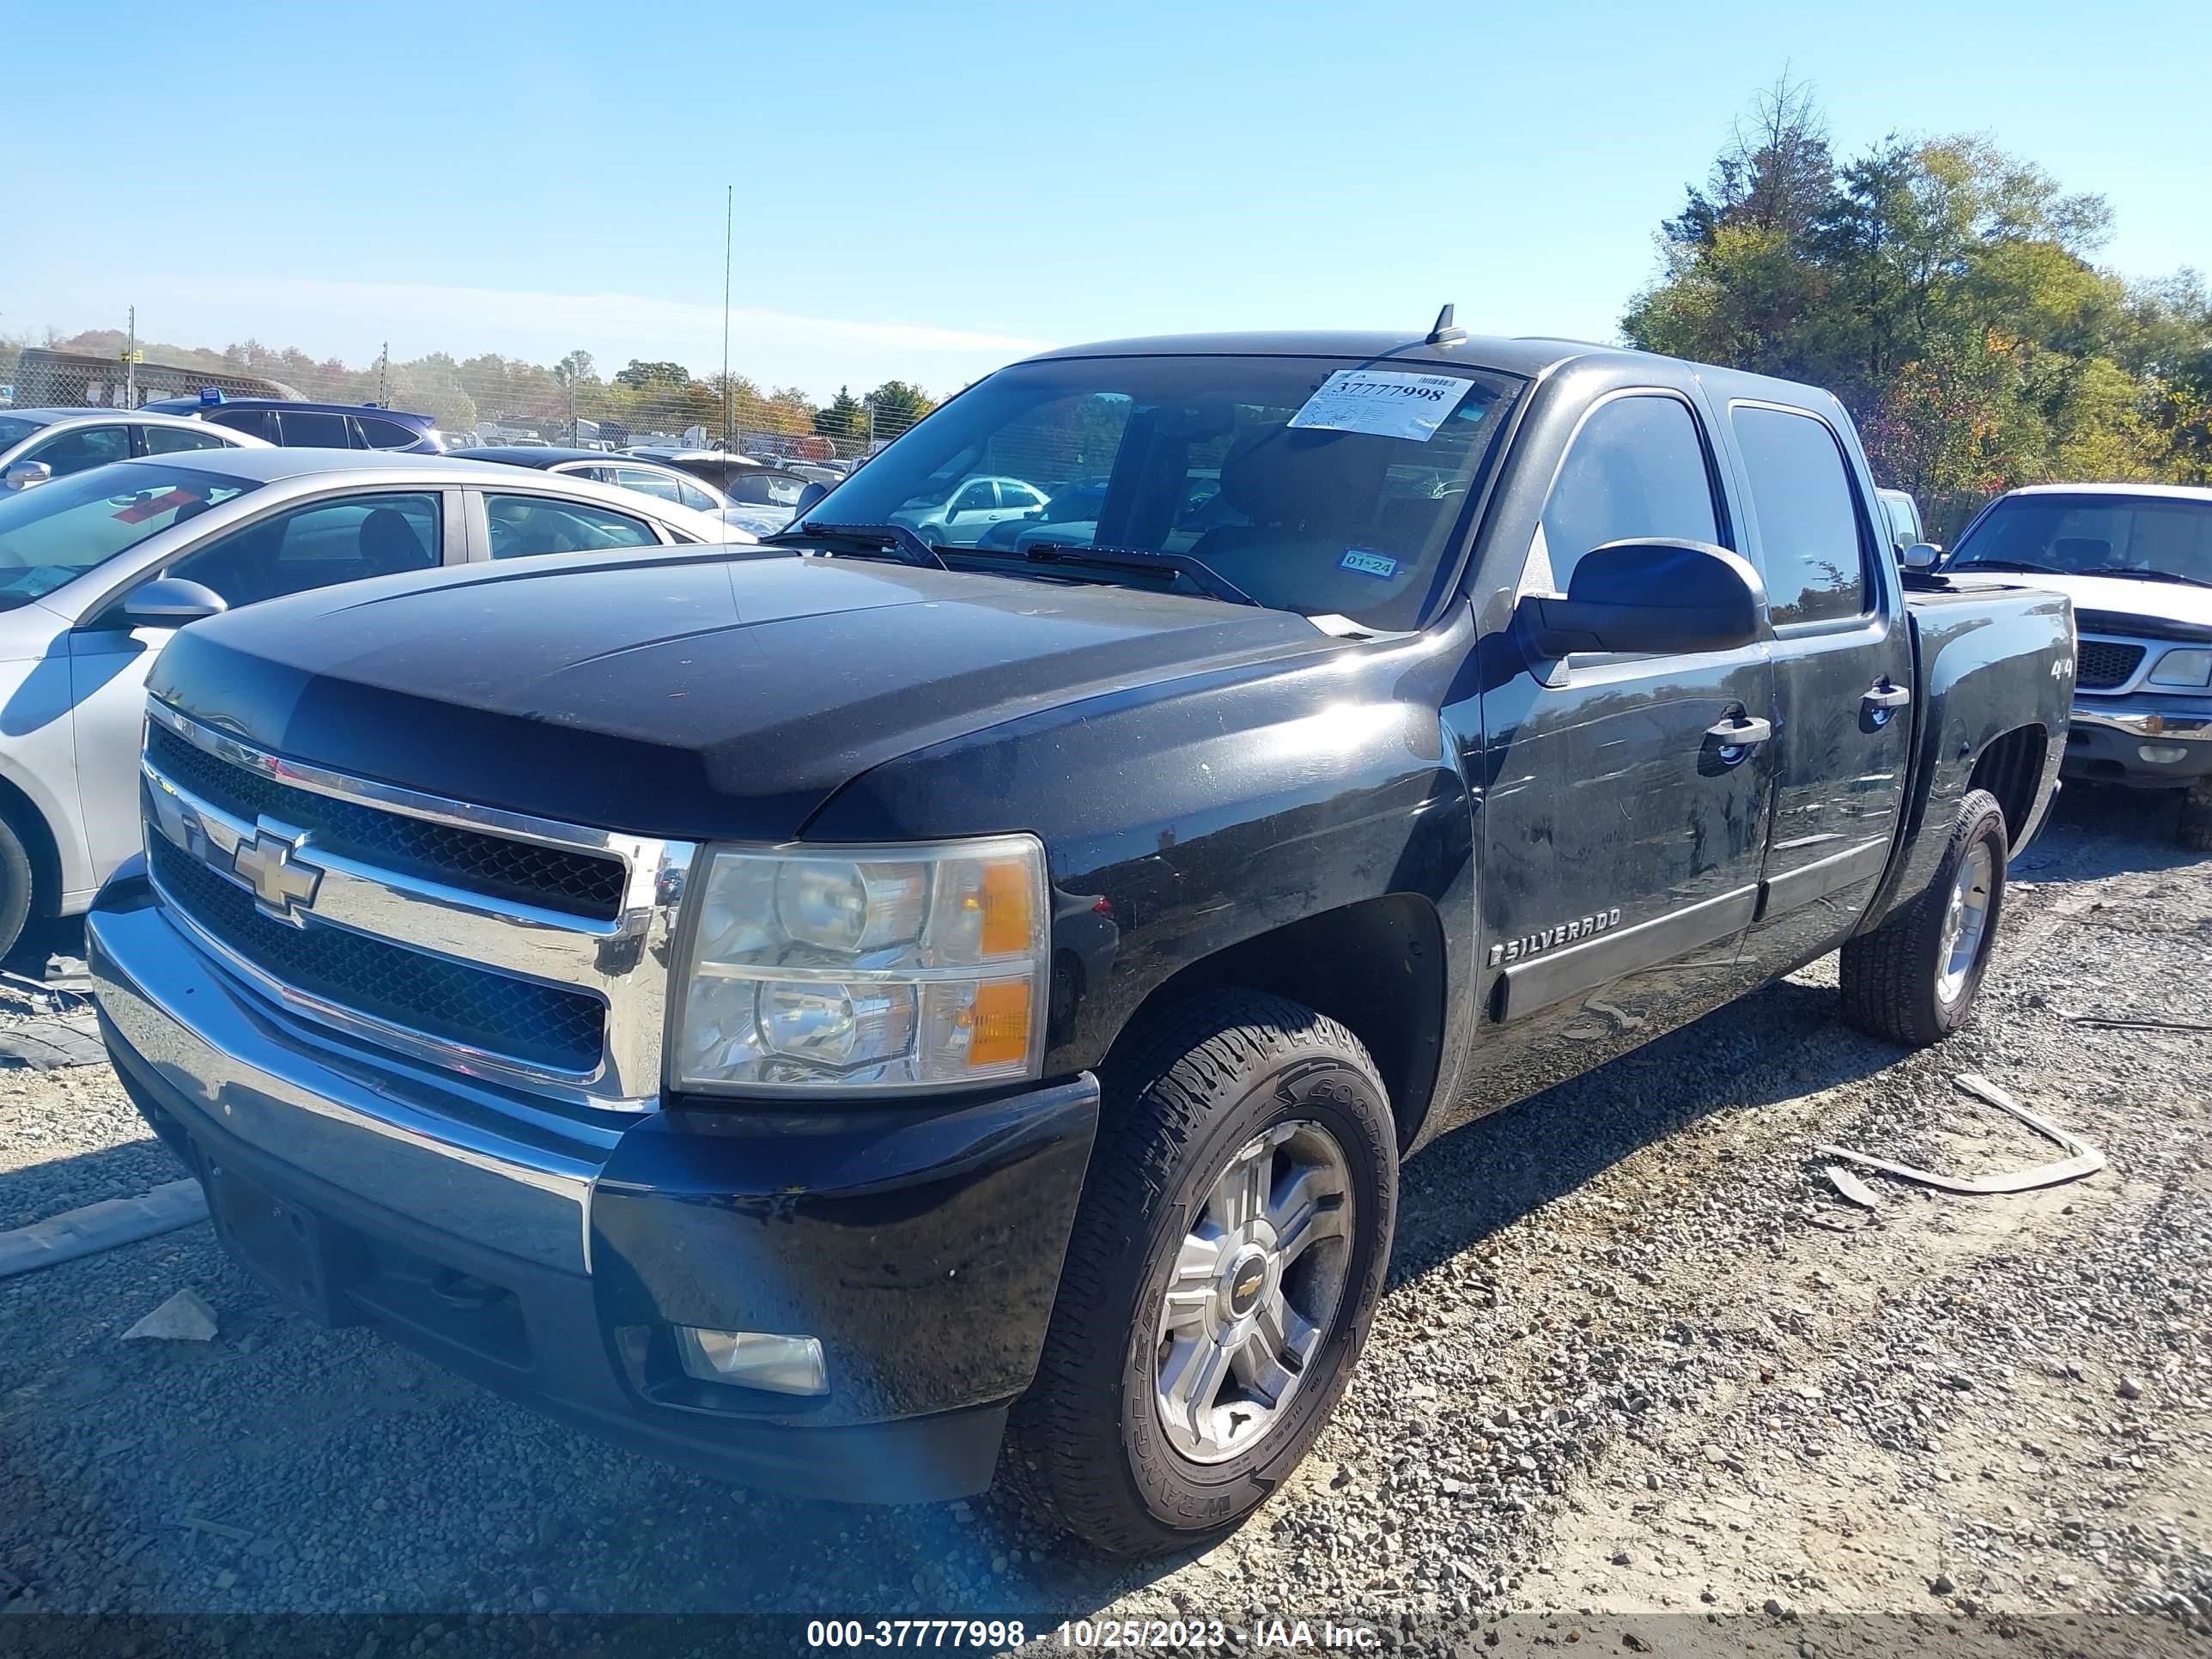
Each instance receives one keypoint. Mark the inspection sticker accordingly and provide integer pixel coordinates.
(1388, 402)
(1368, 562)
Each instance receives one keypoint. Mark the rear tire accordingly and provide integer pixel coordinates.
(2196, 830)
(1915, 979)
(1237, 1114)
(18, 886)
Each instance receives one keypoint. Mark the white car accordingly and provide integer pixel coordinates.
(38, 446)
(973, 506)
(756, 500)
(99, 567)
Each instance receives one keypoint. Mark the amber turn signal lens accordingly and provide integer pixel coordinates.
(1007, 924)
(999, 1023)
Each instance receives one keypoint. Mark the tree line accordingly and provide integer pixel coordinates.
(1946, 291)
(460, 393)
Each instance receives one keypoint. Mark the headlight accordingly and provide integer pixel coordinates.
(2188, 668)
(914, 966)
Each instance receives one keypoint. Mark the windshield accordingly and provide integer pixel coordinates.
(57, 531)
(13, 428)
(2098, 535)
(1319, 485)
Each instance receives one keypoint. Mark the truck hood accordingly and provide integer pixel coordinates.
(2118, 603)
(696, 695)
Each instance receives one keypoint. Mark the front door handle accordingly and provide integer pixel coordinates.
(1740, 733)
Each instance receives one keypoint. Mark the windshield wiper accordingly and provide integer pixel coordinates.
(2011, 564)
(2152, 576)
(1150, 560)
(895, 540)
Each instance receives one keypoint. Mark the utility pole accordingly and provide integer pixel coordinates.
(383, 376)
(130, 364)
(729, 214)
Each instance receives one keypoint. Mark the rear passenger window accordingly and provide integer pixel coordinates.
(170, 440)
(1807, 513)
(1636, 470)
(315, 430)
(522, 525)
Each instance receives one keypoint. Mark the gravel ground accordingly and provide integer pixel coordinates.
(1641, 1378)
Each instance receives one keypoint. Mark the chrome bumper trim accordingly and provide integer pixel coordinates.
(432, 1147)
(2146, 723)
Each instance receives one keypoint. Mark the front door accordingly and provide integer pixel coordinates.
(1623, 828)
(1843, 682)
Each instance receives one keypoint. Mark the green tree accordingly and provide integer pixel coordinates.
(898, 404)
(1944, 290)
(845, 418)
(643, 374)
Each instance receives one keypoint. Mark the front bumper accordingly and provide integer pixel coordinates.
(547, 1255)
(2144, 739)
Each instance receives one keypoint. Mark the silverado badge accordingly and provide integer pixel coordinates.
(1514, 950)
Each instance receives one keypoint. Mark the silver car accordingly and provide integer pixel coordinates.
(39, 444)
(98, 568)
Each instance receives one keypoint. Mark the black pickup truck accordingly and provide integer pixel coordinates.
(920, 999)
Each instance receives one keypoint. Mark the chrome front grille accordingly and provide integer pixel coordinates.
(557, 878)
(2100, 664)
(505, 946)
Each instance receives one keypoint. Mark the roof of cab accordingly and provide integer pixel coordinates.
(1528, 355)
(2157, 491)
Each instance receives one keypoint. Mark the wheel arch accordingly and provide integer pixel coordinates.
(2010, 766)
(1378, 965)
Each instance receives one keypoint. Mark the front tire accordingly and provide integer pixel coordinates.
(18, 886)
(1223, 1273)
(2195, 829)
(1915, 979)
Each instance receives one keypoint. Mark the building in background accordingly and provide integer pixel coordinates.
(47, 379)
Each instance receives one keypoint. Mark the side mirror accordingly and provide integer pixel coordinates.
(165, 601)
(808, 498)
(1921, 555)
(1657, 597)
(26, 474)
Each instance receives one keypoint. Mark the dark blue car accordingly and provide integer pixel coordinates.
(315, 426)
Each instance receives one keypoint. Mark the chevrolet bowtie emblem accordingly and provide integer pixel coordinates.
(281, 884)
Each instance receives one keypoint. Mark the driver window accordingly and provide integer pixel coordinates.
(975, 498)
(82, 448)
(1636, 470)
(345, 540)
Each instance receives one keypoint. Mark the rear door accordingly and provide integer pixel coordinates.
(1622, 839)
(1843, 677)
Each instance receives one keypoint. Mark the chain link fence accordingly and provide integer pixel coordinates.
(483, 400)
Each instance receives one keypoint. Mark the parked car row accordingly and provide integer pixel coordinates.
(1041, 894)
(100, 565)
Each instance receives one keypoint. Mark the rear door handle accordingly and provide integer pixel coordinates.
(1742, 733)
(1886, 696)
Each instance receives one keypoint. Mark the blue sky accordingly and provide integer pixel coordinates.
(930, 191)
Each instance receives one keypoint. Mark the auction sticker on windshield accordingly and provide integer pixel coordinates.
(1387, 403)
